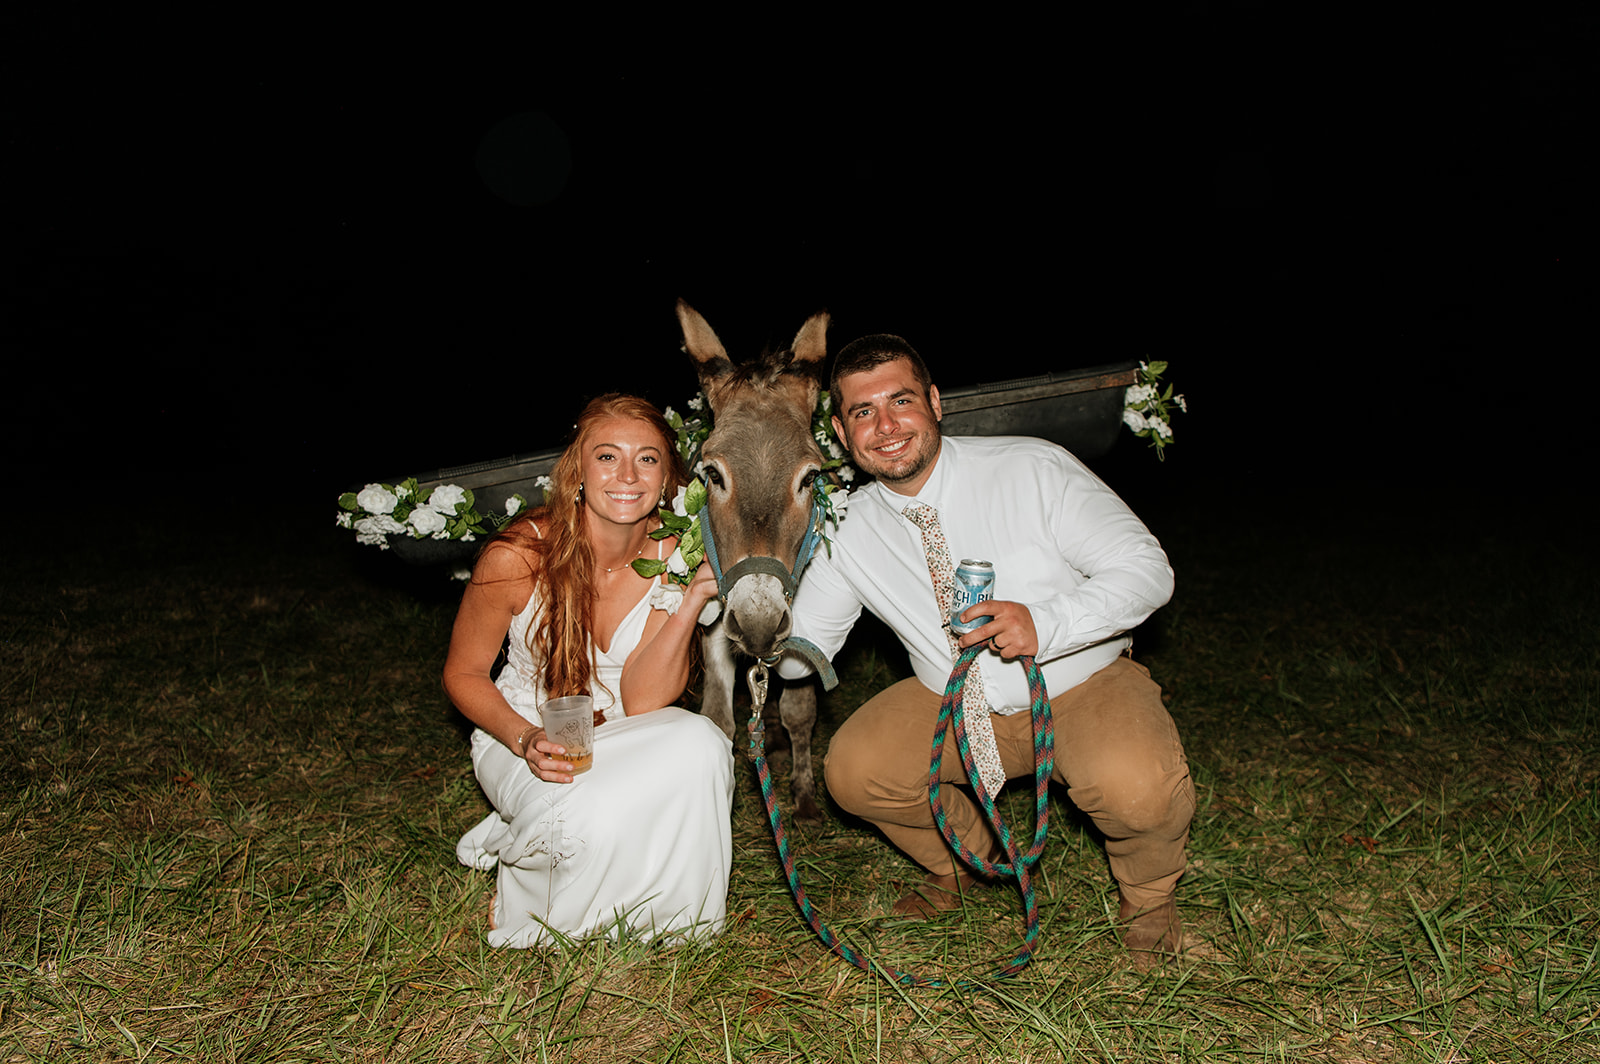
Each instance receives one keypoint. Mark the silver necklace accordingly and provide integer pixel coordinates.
(626, 563)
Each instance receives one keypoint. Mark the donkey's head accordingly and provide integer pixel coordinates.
(760, 462)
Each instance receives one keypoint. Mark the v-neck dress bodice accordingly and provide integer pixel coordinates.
(522, 683)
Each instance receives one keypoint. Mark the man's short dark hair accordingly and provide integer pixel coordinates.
(870, 352)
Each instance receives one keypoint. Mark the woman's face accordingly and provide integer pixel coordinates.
(624, 470)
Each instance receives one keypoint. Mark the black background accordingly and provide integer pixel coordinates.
(307, 252)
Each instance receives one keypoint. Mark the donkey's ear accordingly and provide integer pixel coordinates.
(709, 356)
(811, 344)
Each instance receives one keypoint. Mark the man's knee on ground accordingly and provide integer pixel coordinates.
(848, 772)
(1139, 804)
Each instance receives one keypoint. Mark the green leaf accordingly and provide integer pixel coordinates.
(695, 498)
(649, 567)
(348, 501)
(673, 525)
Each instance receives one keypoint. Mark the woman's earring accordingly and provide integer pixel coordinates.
(578, 498)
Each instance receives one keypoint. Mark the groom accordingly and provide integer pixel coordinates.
(1075, 571)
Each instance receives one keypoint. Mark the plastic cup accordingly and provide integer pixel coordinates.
(569, 722)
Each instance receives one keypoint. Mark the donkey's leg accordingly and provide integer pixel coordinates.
(717, 701)
(798, 709)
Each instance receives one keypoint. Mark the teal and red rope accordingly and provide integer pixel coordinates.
(1019, 863)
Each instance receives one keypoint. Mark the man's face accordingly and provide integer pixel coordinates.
(889, 426)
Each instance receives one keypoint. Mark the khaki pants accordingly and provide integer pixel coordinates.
(1116, 749)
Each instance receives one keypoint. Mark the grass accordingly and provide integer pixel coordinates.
(233, 786)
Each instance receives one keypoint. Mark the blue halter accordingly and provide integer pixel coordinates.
(789, 579)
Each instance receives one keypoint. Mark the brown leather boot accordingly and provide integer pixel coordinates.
(1152, 936)
(938, 895)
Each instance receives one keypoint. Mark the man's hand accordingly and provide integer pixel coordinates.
(1011, 633)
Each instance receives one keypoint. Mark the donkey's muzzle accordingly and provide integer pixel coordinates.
(758, 618)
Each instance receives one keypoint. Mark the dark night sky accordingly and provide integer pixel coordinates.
(276, 251)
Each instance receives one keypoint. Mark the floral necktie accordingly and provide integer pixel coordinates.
(975, 703)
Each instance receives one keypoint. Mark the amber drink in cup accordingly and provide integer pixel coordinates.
(569, 722)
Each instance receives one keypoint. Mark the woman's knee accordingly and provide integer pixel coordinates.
(691, 739)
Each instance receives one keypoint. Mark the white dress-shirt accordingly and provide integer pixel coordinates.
(1062, 543)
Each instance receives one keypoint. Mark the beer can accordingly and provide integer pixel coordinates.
(974, 583)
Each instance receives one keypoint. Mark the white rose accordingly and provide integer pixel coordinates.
(513, 504)
(677, 564)
(1134, 420)
(446, 497)
(378, 524)
(376, 499)
(372, 531)
(840, 500)
(680, 505)
(666, 597)
(426, 520)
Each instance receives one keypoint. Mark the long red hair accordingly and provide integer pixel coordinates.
(562, 559)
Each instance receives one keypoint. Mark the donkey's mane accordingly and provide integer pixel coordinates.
(764, 370)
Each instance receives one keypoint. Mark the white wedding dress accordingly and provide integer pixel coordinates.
(640, 843)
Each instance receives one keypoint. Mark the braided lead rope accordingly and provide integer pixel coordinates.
(1044, 762)
(1044, 757)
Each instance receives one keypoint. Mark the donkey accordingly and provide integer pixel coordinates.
(760, 462)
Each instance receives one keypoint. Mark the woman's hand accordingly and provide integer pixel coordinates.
(546, 759)
(702, 588)
(657, 671)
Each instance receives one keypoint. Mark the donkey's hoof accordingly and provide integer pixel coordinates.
(805, 808)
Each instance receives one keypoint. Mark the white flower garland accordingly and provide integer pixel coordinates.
(444, 512)
(1145, 407)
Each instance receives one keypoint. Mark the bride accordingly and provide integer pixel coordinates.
(641, 842)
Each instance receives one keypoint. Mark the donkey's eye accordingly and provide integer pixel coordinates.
(713, 476)
(809, 479)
